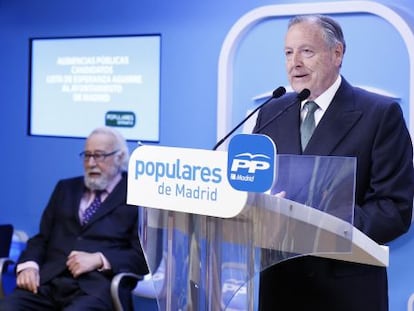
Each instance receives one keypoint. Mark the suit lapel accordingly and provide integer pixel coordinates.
(114, 199)
(335, 125)
(76, 196)
(286, 132)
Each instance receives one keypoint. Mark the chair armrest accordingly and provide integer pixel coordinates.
(4, 263)
(115, 284)
(410, 303)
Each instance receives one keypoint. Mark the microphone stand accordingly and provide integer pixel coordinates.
(280, 91)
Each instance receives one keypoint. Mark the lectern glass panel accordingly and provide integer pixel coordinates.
(210, 263)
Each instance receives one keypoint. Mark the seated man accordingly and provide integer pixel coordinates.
(87, 234)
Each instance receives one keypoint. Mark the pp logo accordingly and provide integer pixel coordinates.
(251, 163)
(247, 161)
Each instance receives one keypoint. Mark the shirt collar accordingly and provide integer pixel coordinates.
(112, 184)
(326, 97)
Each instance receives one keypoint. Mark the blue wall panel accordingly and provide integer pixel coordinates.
(192, 36)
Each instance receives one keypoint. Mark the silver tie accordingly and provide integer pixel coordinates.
(308, 123)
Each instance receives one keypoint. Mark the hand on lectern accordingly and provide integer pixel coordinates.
(280, 194)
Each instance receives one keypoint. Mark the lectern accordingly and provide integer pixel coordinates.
(207, 262)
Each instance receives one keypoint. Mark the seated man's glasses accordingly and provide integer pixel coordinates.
(98, 156)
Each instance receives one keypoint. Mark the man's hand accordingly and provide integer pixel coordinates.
(81, 262)
(281, 194)
(28, 279)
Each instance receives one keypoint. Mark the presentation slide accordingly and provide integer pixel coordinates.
(78, 84)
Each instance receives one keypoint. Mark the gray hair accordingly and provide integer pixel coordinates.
(119, 143)
(332, 31)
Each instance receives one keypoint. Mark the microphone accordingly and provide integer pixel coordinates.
(302, 95)
(280, 91)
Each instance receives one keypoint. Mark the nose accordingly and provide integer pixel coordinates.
(89, 163)
(296, 59)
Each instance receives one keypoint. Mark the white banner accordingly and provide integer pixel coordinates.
(184, 180)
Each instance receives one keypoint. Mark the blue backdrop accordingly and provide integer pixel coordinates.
(192, 33)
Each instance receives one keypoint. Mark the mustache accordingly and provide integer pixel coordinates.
(93, 171)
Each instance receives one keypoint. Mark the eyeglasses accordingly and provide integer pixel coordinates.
(98, 156)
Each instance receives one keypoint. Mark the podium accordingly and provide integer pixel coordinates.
(206, 262)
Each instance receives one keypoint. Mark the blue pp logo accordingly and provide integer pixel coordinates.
(251, 162)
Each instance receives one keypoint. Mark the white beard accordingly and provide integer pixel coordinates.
(96, 183)
(101, 181)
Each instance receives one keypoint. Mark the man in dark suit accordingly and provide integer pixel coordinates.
(349, 122)
(69, 264)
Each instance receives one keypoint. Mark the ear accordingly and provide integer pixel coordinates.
(339, 54)
(119, 157)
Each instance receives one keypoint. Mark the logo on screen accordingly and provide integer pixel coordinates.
(251, 163)
(120, 118)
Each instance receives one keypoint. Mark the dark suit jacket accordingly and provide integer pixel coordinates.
(371, 128)
(112, 230)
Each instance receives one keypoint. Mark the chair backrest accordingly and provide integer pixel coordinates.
(6, 235)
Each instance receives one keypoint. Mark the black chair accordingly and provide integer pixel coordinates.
(6, 235)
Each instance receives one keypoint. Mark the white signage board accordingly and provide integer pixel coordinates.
(184, 180)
